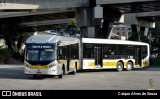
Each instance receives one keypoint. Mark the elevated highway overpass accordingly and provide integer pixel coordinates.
(41, 4)
(89, 13)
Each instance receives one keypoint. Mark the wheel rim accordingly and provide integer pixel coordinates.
(129, 66)
(62, 72)
(119, 67)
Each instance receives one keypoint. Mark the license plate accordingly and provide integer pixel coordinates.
(38, 72)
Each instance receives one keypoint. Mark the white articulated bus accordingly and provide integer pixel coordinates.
(116, 54)
(43, 55)
(58, 55)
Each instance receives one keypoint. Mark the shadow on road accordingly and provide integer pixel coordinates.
(97, 70)
(12, 73)
(18, 72)
(114, 70)
(148, 69)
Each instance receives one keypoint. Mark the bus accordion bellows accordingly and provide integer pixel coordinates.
(58, 55)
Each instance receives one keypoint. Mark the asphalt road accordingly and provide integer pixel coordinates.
(12, 77)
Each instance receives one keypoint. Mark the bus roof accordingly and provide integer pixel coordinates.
(43, 39)
(111, 41)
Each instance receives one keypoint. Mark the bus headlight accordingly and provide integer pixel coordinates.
(52, 65)
(27, 65)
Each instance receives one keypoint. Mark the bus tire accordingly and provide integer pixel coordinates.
(35, 76)
(119, 66)
(129, 66)
(61, 75)
(63, 68)
(75, 70)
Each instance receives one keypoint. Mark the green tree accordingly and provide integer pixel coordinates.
(72, 24)
(139, 36)
(11, 33)
(155, 39)
(134, 36)
(71, 27)
(143, 38)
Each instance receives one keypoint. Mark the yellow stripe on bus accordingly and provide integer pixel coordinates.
(105, 63)
(91, 63)
(115, 64)
(40, 67)
(73, 64)
(144, 63)
(109, 63)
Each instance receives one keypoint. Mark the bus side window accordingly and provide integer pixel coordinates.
(144, 51)
(105, 51)
(59, 53)
(62, 52)
(88, 51)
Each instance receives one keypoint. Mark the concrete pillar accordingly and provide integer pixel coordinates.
(139, 24)
(98, 16)
(84, 18)
(87, 32)
(135, 28)
(110, 17)
(107, 28)
(146, 31)
(89, 19)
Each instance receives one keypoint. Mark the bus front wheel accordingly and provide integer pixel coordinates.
(119, 66)
(61, 75)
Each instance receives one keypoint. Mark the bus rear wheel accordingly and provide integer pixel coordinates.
(129, 66)
(119, 66)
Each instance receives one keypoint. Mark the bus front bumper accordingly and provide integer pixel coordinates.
(48, 71)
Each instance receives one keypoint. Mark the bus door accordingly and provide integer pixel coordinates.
(68, 57)
(138, 57)
(98, 55)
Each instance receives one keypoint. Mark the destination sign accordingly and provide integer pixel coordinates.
(40, 46)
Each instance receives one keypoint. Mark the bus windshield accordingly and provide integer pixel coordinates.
(46, 54)
(32, 55)
(40, 54)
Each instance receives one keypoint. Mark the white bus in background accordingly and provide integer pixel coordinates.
(43, 55)
(114, 54)
(58, 55)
